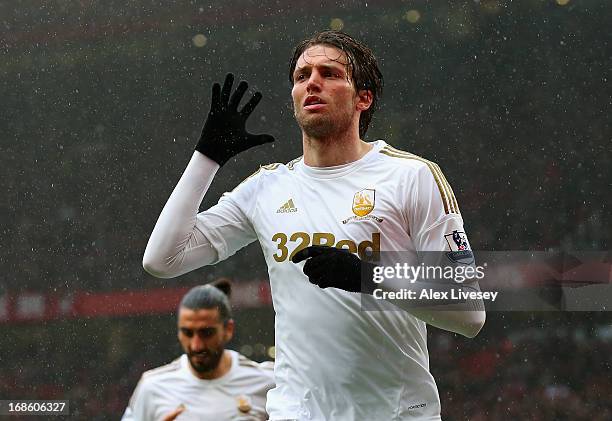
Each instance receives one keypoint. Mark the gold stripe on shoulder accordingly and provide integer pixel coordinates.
(271, 167)
(446, 192)
(454, 203)
(434, 172)
(392, 149)
(246, 179)
(291, 163)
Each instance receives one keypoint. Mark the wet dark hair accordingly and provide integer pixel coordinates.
(362, 67)
(215, 295)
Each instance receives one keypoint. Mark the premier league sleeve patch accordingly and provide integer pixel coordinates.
(460, 248)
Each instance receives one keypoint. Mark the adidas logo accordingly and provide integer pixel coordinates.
(287, 207)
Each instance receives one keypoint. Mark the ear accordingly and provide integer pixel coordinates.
(229, 330)
(365, 99)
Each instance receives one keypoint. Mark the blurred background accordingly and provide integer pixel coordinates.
(101, 104)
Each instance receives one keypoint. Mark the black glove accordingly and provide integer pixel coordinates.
(336, 268)
(224, 134)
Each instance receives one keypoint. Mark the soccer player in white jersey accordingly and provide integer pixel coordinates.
(316, 218)
(207, 382)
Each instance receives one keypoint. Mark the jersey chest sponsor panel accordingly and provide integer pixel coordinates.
(359, 213)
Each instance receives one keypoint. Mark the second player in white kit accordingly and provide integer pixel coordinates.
(240, 394)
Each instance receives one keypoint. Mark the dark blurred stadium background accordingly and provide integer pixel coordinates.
(101, 105)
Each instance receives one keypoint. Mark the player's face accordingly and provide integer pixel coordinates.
(324, 98)
(203, 337)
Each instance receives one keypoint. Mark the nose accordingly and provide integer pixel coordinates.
(314, 83)
(196, 344)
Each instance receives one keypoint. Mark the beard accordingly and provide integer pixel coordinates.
(207, 361)
(322, 126)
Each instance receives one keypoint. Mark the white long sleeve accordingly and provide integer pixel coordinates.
(466, 318)
(464, 322)
(463, 316)
(177, 245)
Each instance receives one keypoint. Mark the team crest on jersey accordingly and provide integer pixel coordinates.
(460, 248)
(244, 404)
(363, 205)
(363, 202)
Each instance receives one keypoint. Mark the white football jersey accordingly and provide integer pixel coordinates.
(238, 395)
(335, 361)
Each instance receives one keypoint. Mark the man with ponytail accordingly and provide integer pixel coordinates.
(207, 382)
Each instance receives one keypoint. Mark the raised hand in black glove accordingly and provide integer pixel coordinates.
(224, 134)
(336, 268)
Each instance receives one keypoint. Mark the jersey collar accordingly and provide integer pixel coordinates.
(338, 171)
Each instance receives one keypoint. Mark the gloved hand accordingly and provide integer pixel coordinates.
(336, 268)
(224, 134)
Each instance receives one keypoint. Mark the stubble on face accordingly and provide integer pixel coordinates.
(205, 361)
(323, 127)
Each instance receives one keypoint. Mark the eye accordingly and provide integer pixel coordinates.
(187, 332)
(207, 332)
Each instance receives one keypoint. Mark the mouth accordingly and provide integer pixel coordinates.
(313, 102)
